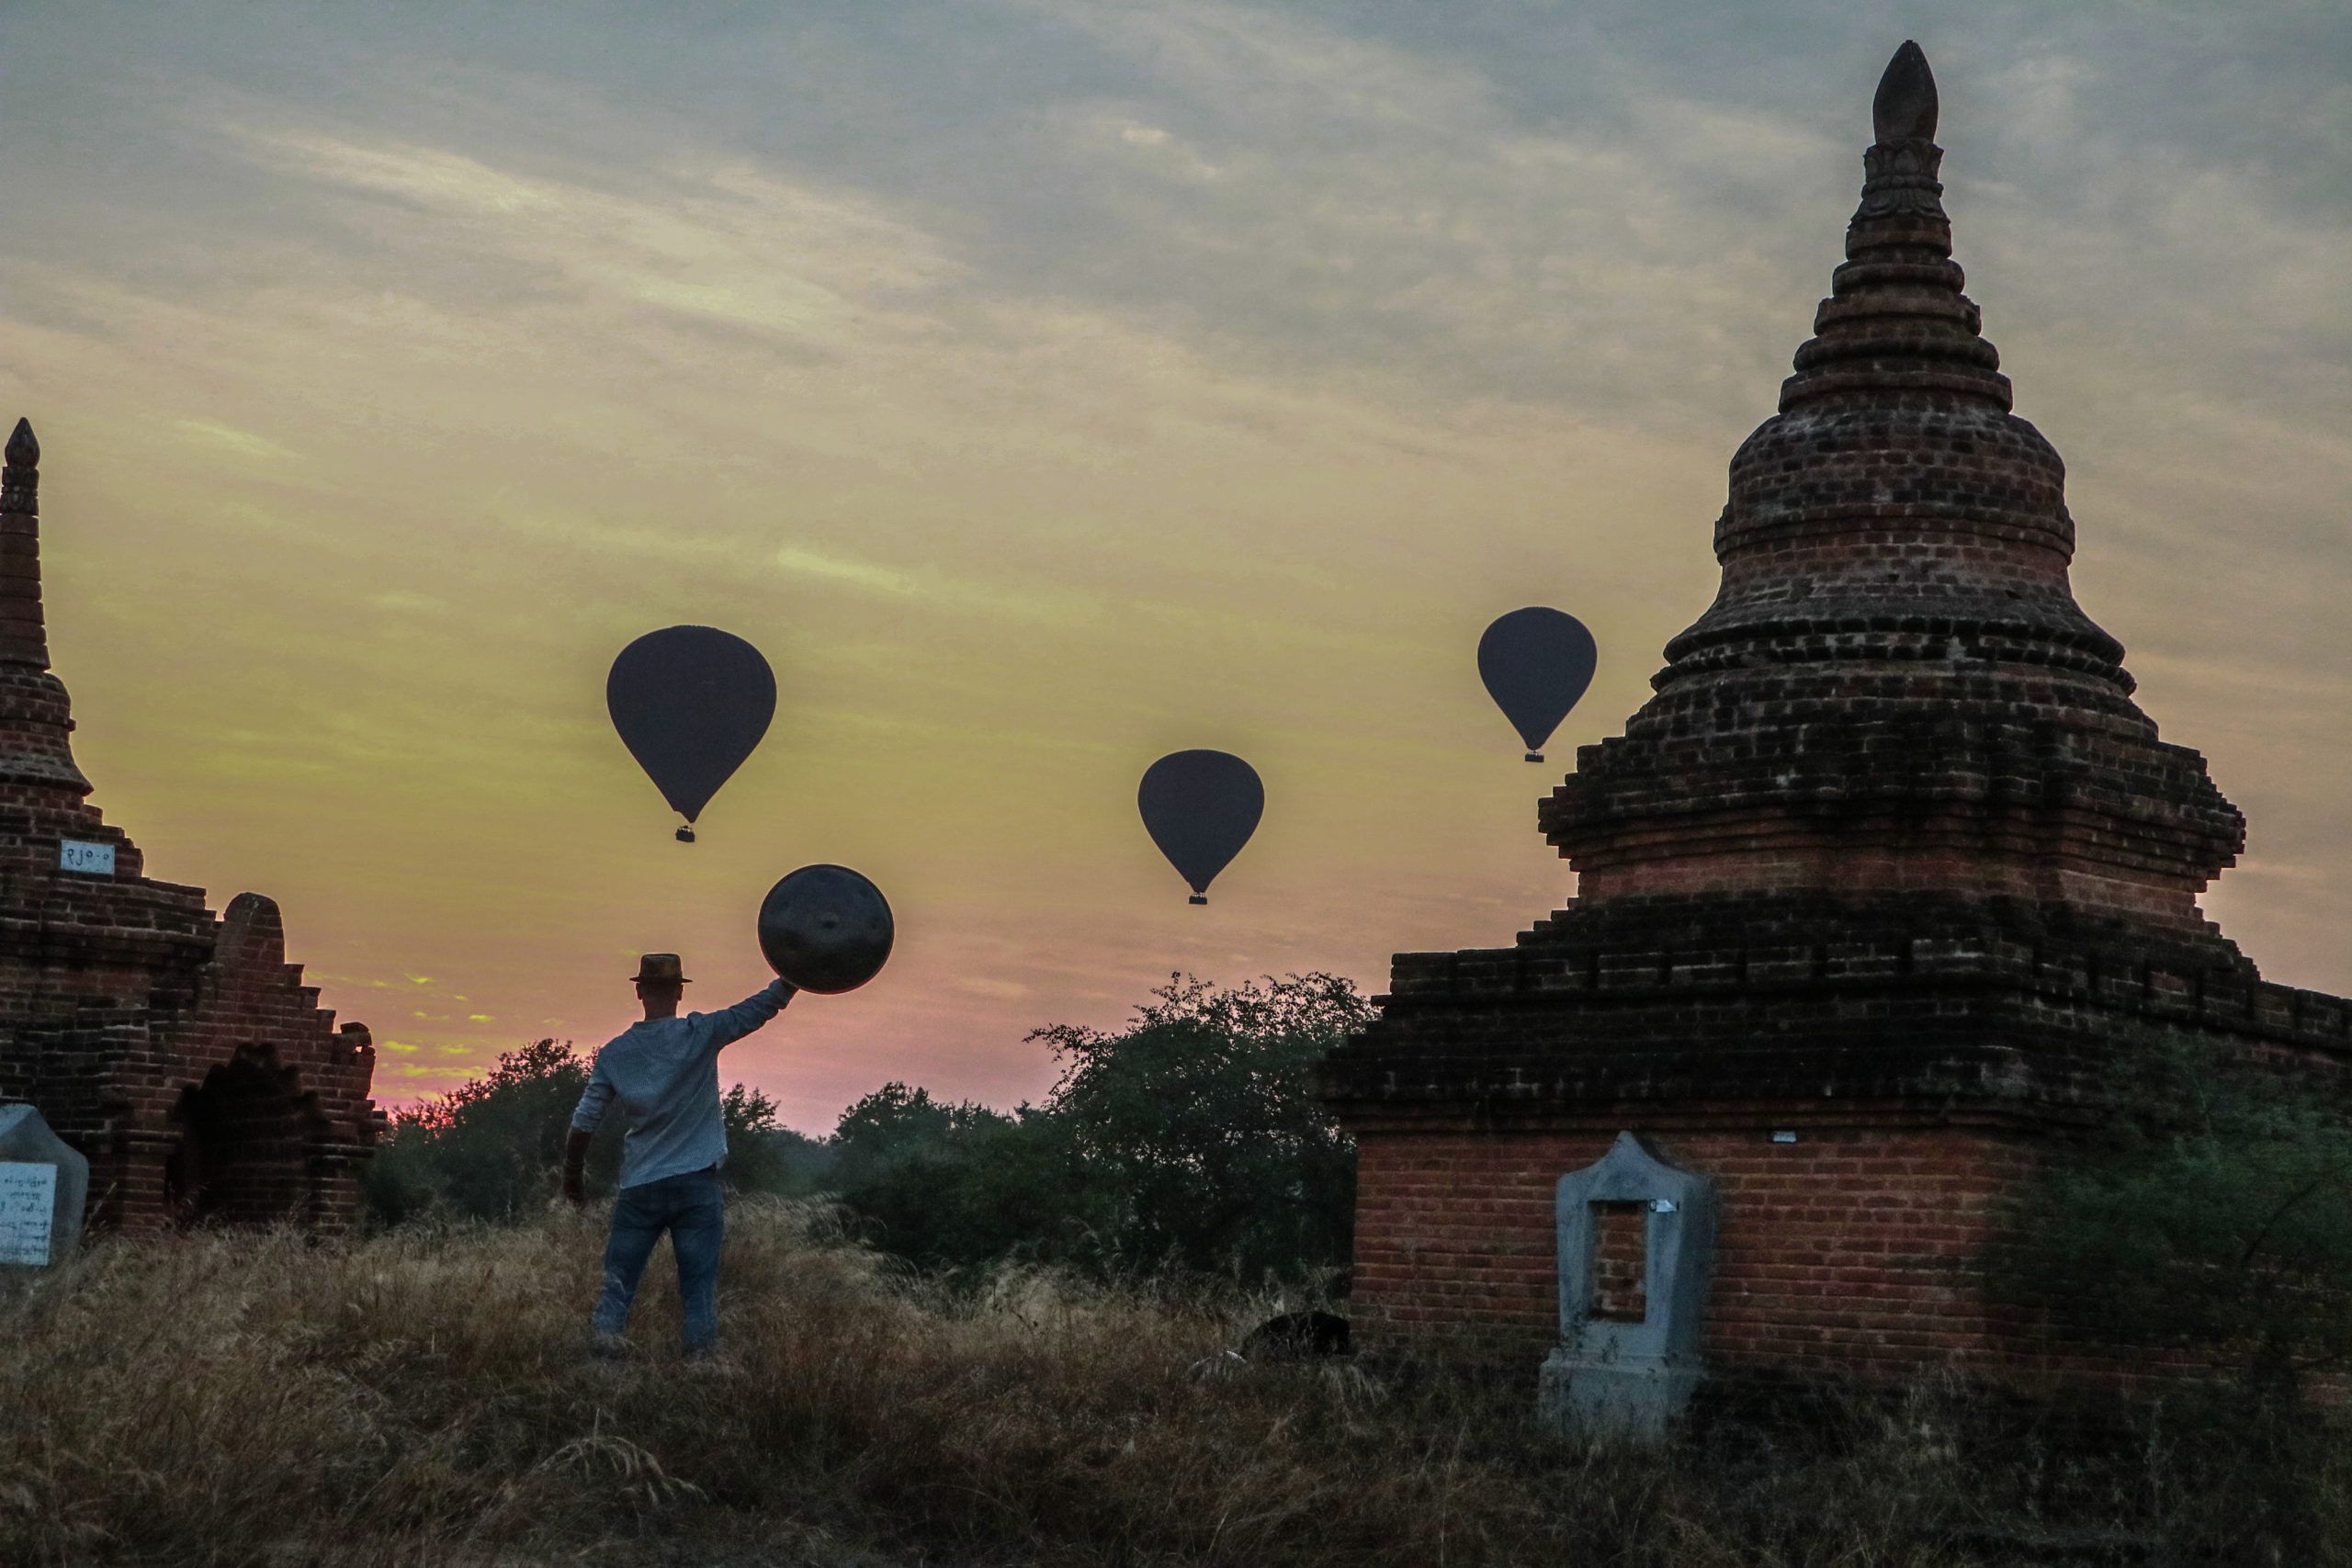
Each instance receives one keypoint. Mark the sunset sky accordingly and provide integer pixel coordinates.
(1044, 386)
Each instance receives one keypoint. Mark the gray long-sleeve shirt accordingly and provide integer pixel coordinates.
(664, 1072)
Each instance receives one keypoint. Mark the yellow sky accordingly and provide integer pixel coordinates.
(1044, 388)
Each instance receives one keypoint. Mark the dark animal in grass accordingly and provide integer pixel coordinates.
(1295, 1336)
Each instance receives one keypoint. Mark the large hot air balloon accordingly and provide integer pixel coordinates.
(1200, 809)
(690, 704)
(1536, 663)
(825, 929)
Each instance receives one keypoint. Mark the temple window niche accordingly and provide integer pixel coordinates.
(1636, 1245)
(1620, 1241)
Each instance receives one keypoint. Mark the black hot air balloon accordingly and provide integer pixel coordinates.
(1536, 663)
(690, 704)
(1200, 809)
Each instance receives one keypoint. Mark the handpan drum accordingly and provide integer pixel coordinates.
(825, 929)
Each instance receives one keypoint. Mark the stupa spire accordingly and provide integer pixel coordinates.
(1896, 320)
(35, 717)
(22, 636)
(1894, 688)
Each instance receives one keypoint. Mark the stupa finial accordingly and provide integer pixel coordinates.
(20, 491)
(1905, 109)
(1900, 191)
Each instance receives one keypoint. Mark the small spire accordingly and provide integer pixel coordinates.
(20, 491)
(1900, 192)
(1905, 109)
(1896, 318)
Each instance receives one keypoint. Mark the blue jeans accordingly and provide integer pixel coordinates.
(692, 1207)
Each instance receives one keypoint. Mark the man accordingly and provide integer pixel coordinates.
(664, 1072)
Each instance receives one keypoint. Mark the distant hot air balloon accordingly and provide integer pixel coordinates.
(1536, 663)
(690, 704)
(1200, 809)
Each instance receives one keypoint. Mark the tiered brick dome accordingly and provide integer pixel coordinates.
(1894, 689)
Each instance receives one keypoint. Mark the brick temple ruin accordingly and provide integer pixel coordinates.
(1867, 893)
(180, 1053)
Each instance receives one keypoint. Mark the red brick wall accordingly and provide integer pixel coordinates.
(1846, 1250)
(258, 1102)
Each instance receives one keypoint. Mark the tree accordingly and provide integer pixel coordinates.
(1198, 1130)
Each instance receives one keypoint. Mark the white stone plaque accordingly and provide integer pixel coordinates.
(90, 860)
(28, 1203)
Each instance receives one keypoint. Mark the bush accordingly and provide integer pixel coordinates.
(2208, 1218)
(2211, 1214)
(492, 1149)
(954, 1186)
(1190, 1140)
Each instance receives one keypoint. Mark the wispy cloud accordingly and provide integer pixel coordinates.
(242, 442)
(721, 244)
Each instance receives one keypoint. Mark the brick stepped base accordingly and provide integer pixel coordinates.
(1921, 1052)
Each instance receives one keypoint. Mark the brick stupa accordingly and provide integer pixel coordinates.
(180, 1053)
(1866, 894)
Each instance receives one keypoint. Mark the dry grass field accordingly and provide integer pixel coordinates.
(422, 1397)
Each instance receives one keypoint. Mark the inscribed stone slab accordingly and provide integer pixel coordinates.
(38, 1167)
(28, 1202)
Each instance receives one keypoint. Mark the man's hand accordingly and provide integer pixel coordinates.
(575, 1166)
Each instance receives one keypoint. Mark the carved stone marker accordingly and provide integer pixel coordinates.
(1628, 1360)
(42, 1185)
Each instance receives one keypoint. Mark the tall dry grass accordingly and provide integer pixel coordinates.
(422, 1397)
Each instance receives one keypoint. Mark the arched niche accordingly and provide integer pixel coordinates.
(242, 1154)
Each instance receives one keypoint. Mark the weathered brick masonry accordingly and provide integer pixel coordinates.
(1892, 861)
(182, 1053)
(1831, 1245)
